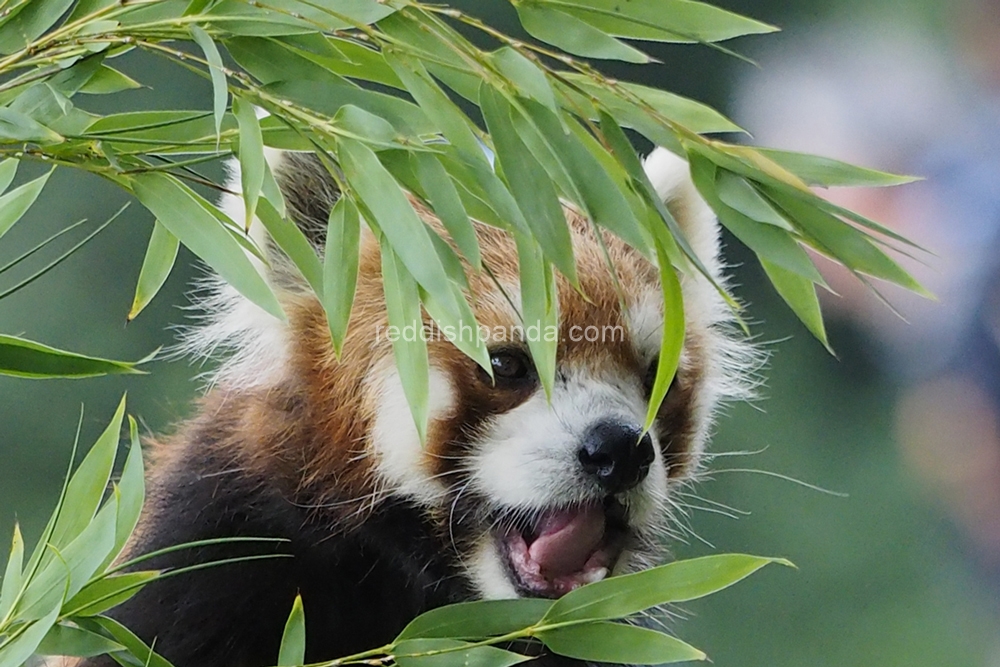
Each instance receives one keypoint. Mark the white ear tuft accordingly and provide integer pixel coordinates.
(671, 177)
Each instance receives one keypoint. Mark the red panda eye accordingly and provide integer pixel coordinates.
(650, 378)
(511, 366)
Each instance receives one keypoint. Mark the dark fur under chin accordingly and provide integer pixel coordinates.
(360, 585)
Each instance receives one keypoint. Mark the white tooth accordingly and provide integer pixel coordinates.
(595, 575)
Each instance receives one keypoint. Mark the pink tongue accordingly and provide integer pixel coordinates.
(566, 540)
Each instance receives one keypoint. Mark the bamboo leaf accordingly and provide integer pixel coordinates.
(827, 172)
(293, 641)
(8, 168)
(28, 20)
(619, 644)
(536, 197)
(539, 309)
(66, 640)
(17, 647)
(105, 593)
(444, 197)
(251, 156)
(340, 268)
(161, 253)
(14, 204)
(573, 35)
(287, 235)
(12, 577)
(662, 20)
(27, 359)
(800, 295)
(108, 80)
(17, 127)
(672, 341)
(216, 70)
(130, 641)
(186, 215)
(476, 620)
(402, 301)
(452, 653)
(131, 493)
(530, 81)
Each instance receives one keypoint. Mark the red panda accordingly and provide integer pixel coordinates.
(511, 494)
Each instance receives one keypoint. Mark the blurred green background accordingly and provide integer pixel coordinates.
(897, 573)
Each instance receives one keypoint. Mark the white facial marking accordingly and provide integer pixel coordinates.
(527, 458)
(645, 323)
(489, 574)
(401, 458)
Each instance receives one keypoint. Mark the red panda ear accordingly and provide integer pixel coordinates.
(671, 177)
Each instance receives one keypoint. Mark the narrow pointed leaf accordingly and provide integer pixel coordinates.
(539, 309)
(220, 90)
(447, 203)
(663, 20)
(14, 204)
(29, 21)
(287, 235)
(12, 577)
(131, 493)
(477, 620)
(108, 80)
(618, 644)
(130, 641)
(89, 482)
(103, 594)
(529, 184)
(340, 268)
(66, 640)
(161, 253)
(736, 193)
(827, 172)
(186, 215)
(530, 81)
(452, 653)
(292, 651)
(573, 35)
(27, 359)
(8, 168)
(251, 156)
(800, 295)
(672, 341)
(402, 300)
(622, 596)
(16, 649)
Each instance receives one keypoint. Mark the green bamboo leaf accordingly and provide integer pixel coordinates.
(680, 581)
(251, 156)
(573, 35)
(131, 642)
(8, 168)
(452, 653)
(535, 194)
(662, 20)
(108, 80)
(827, 172)
(216, 70)
(287, 235)
(87, 486)
(600, 195)
(628, 102)
(161, 252)
(293, 641)
(355, 61)
(476, 620)
(14, 204)
(66, 640)
(131, 493)
(271, 60)
(79, 560)
(373, 130)
(340, 268)
(12, 577)
(17, 647)
(672, 341)
(843, 242)
(24, 22)
(402, 300)
(272, 192)
(27, 359)
(443, 196)
(619, 644)
(187, 216)
(736, 193)
(105, 593)
(529, 79)
(800, 295)
(767, 241)
(406, 233)
(294, 17)
(539, 309)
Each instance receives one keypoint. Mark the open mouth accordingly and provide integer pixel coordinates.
(565, 548)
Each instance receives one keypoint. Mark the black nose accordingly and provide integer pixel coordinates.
(617, 455)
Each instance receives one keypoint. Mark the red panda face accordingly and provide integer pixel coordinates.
(534, 495)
